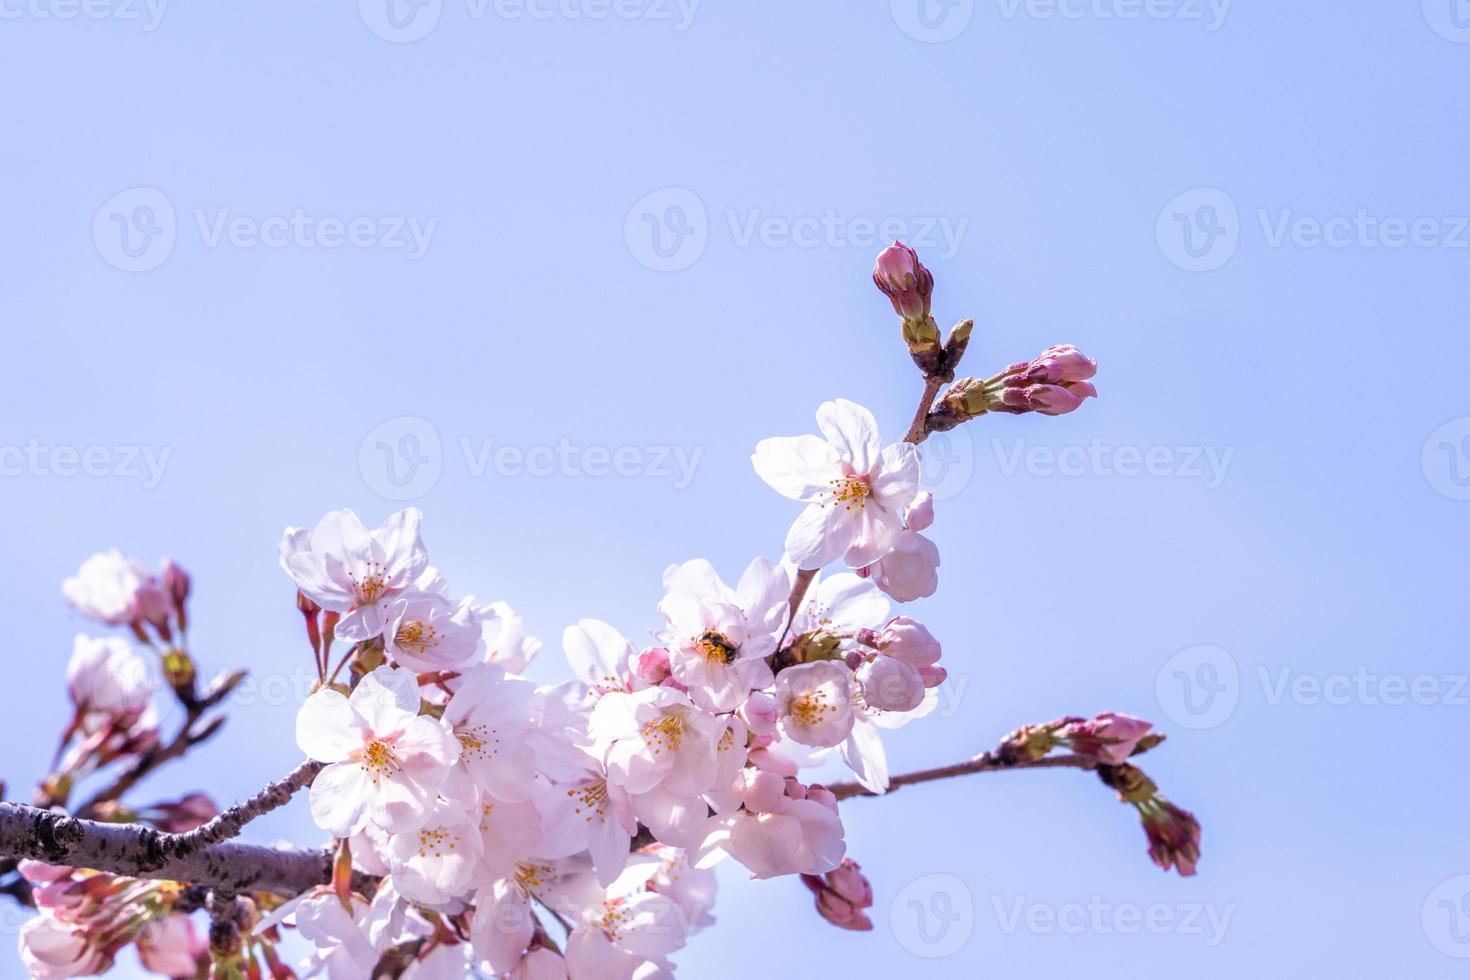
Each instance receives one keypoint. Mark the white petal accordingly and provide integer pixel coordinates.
(819, 535)
(799, 467)
(327, 729)
(852, 431)
(338, 799)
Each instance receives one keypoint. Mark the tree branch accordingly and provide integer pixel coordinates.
(229, 823)
(989, 762)
(142, 852)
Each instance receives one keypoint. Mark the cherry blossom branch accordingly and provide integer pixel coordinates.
(989, 762)
(137, 851)
(229, 823)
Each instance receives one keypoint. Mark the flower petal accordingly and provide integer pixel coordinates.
(852, 431)
(799, 467)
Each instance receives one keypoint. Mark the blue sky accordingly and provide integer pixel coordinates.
(266, 262)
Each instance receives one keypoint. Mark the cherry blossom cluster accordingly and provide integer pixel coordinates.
(480, 823)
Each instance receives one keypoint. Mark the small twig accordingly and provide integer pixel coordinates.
(989, 762)
(229, 823)
(919, 429)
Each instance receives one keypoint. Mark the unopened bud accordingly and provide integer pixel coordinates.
(842, 894)
(905, 281)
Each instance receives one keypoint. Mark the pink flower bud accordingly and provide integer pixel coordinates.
(921, 512)
(842, 894)
(184, 815)
(889, 684)
(821, 794)
(652, 666)
(909, 640)
(1110, 738)
(904, 280)
(176, 581)
(764, 791)
(760, 713)
(910, 571)
(1058, 364)
(1173, 835)
(769, 761)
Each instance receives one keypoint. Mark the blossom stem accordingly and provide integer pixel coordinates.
(989, 762)
(919, 429)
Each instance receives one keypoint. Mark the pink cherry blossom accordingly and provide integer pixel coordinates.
(108, 681)
(437, 861)
(427, 632)
(490, 715)
(889, 684)
(816, 702)
(718, 637)
(114, 589)
(854, 488)
(345, 568)
(387, 762)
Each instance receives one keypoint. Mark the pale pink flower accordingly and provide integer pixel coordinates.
(342, 946)
(600, 656)
(816, 702)
(594, 814)
(345, 568)
(170, 946)
(438, 860)
(506, 642)
(427, 632)
(907, 639)
(888, 684)
(719, 637)
(108, 681)
(842, 603)
(656, 738)
(804, 836)
(51, 949)
(854, 488)
(387, 762)
(910, 571)
(114, 589)
(490, 715)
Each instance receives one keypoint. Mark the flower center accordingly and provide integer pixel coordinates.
(437, 841)
(530, 876)
(851, 491)
(477, 742)
(812, 708)
(664, 732)
(379, 761)
(716, 647)
(416, 636)
(590, 799)
(614, 917)
(370, 583)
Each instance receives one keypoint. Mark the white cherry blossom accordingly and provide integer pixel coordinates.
(345, 568)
